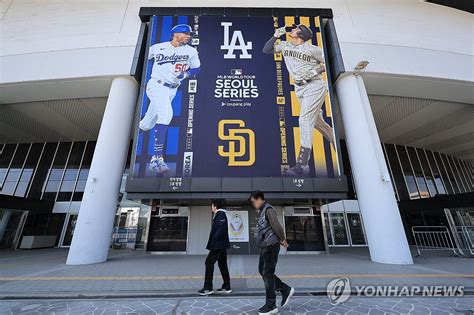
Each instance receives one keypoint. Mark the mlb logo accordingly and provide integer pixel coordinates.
(280, 100)
(190, 132)
(236, 72)
(195, 41)
(192, 86)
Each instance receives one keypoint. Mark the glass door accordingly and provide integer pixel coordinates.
(339, 228)
(71, 224)
(304, 230)
(168, 231)
(356, 229)
(11, 226)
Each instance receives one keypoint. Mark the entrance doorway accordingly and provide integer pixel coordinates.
(168, 230)
(11, 226)
(304, 230)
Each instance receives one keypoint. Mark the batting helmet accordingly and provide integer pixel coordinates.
(181, 28)
(305, 32)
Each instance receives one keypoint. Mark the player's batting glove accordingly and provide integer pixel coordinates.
(280, 31)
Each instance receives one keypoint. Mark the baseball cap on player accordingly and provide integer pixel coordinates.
(305, 33)
(182, 28)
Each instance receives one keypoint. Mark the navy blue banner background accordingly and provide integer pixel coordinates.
(261, 115)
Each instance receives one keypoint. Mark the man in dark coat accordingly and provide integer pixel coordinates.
(217, 245)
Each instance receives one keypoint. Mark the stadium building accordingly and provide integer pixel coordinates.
(75, 165)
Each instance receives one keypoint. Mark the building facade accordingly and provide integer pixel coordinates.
(68, 118)
(56, 172)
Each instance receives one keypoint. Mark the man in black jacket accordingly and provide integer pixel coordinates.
(270, 236)
(217, 245)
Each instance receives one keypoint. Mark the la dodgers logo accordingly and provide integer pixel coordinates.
(237, 42)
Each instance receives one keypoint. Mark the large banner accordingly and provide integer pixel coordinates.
(236, 97)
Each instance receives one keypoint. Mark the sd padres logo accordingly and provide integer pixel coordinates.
(236, 139)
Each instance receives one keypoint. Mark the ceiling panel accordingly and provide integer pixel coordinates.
(57, 120)
(432, 124)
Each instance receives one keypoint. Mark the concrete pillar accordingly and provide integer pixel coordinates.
(91, 240)
(382, 222)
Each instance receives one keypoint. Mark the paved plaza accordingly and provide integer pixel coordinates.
(131, 282)
(230, 306)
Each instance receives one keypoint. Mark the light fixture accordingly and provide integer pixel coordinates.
(361, 65)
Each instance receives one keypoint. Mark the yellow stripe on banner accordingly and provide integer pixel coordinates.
(316, 22)
(277, 57)
(327, 102)
(335, 161)
(319, 155)
(295, 105)
(297, 140)
(289, 21)
(304, 20)
(320, 39)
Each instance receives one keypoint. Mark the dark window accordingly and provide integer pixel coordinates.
(55, 225)
(42, 170)
(56, 172)
(436, 173)
(457, 174)
(468, 171)
(72, 169)
(84, 172)
(397, 172)
(5, 159)
(36, 224)
(28, 169)
(14, 172)
(408, 172)
(427, 171)
(464, 175)
(451, 176)
(444, 174)
(420, 179)
(390, 171)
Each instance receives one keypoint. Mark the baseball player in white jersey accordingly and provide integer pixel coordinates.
(305, 63)
(174, 61)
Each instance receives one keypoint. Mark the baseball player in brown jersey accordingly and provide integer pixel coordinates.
(305, 63)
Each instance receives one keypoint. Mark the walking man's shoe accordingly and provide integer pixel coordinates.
(205, 292)
(286, 295)
(267, 309)
(224, 290)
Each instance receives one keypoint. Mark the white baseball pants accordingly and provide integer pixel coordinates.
(311, 97)
(160, 110)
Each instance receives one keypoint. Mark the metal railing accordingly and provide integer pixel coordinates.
(465, 235)
(434, 238)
